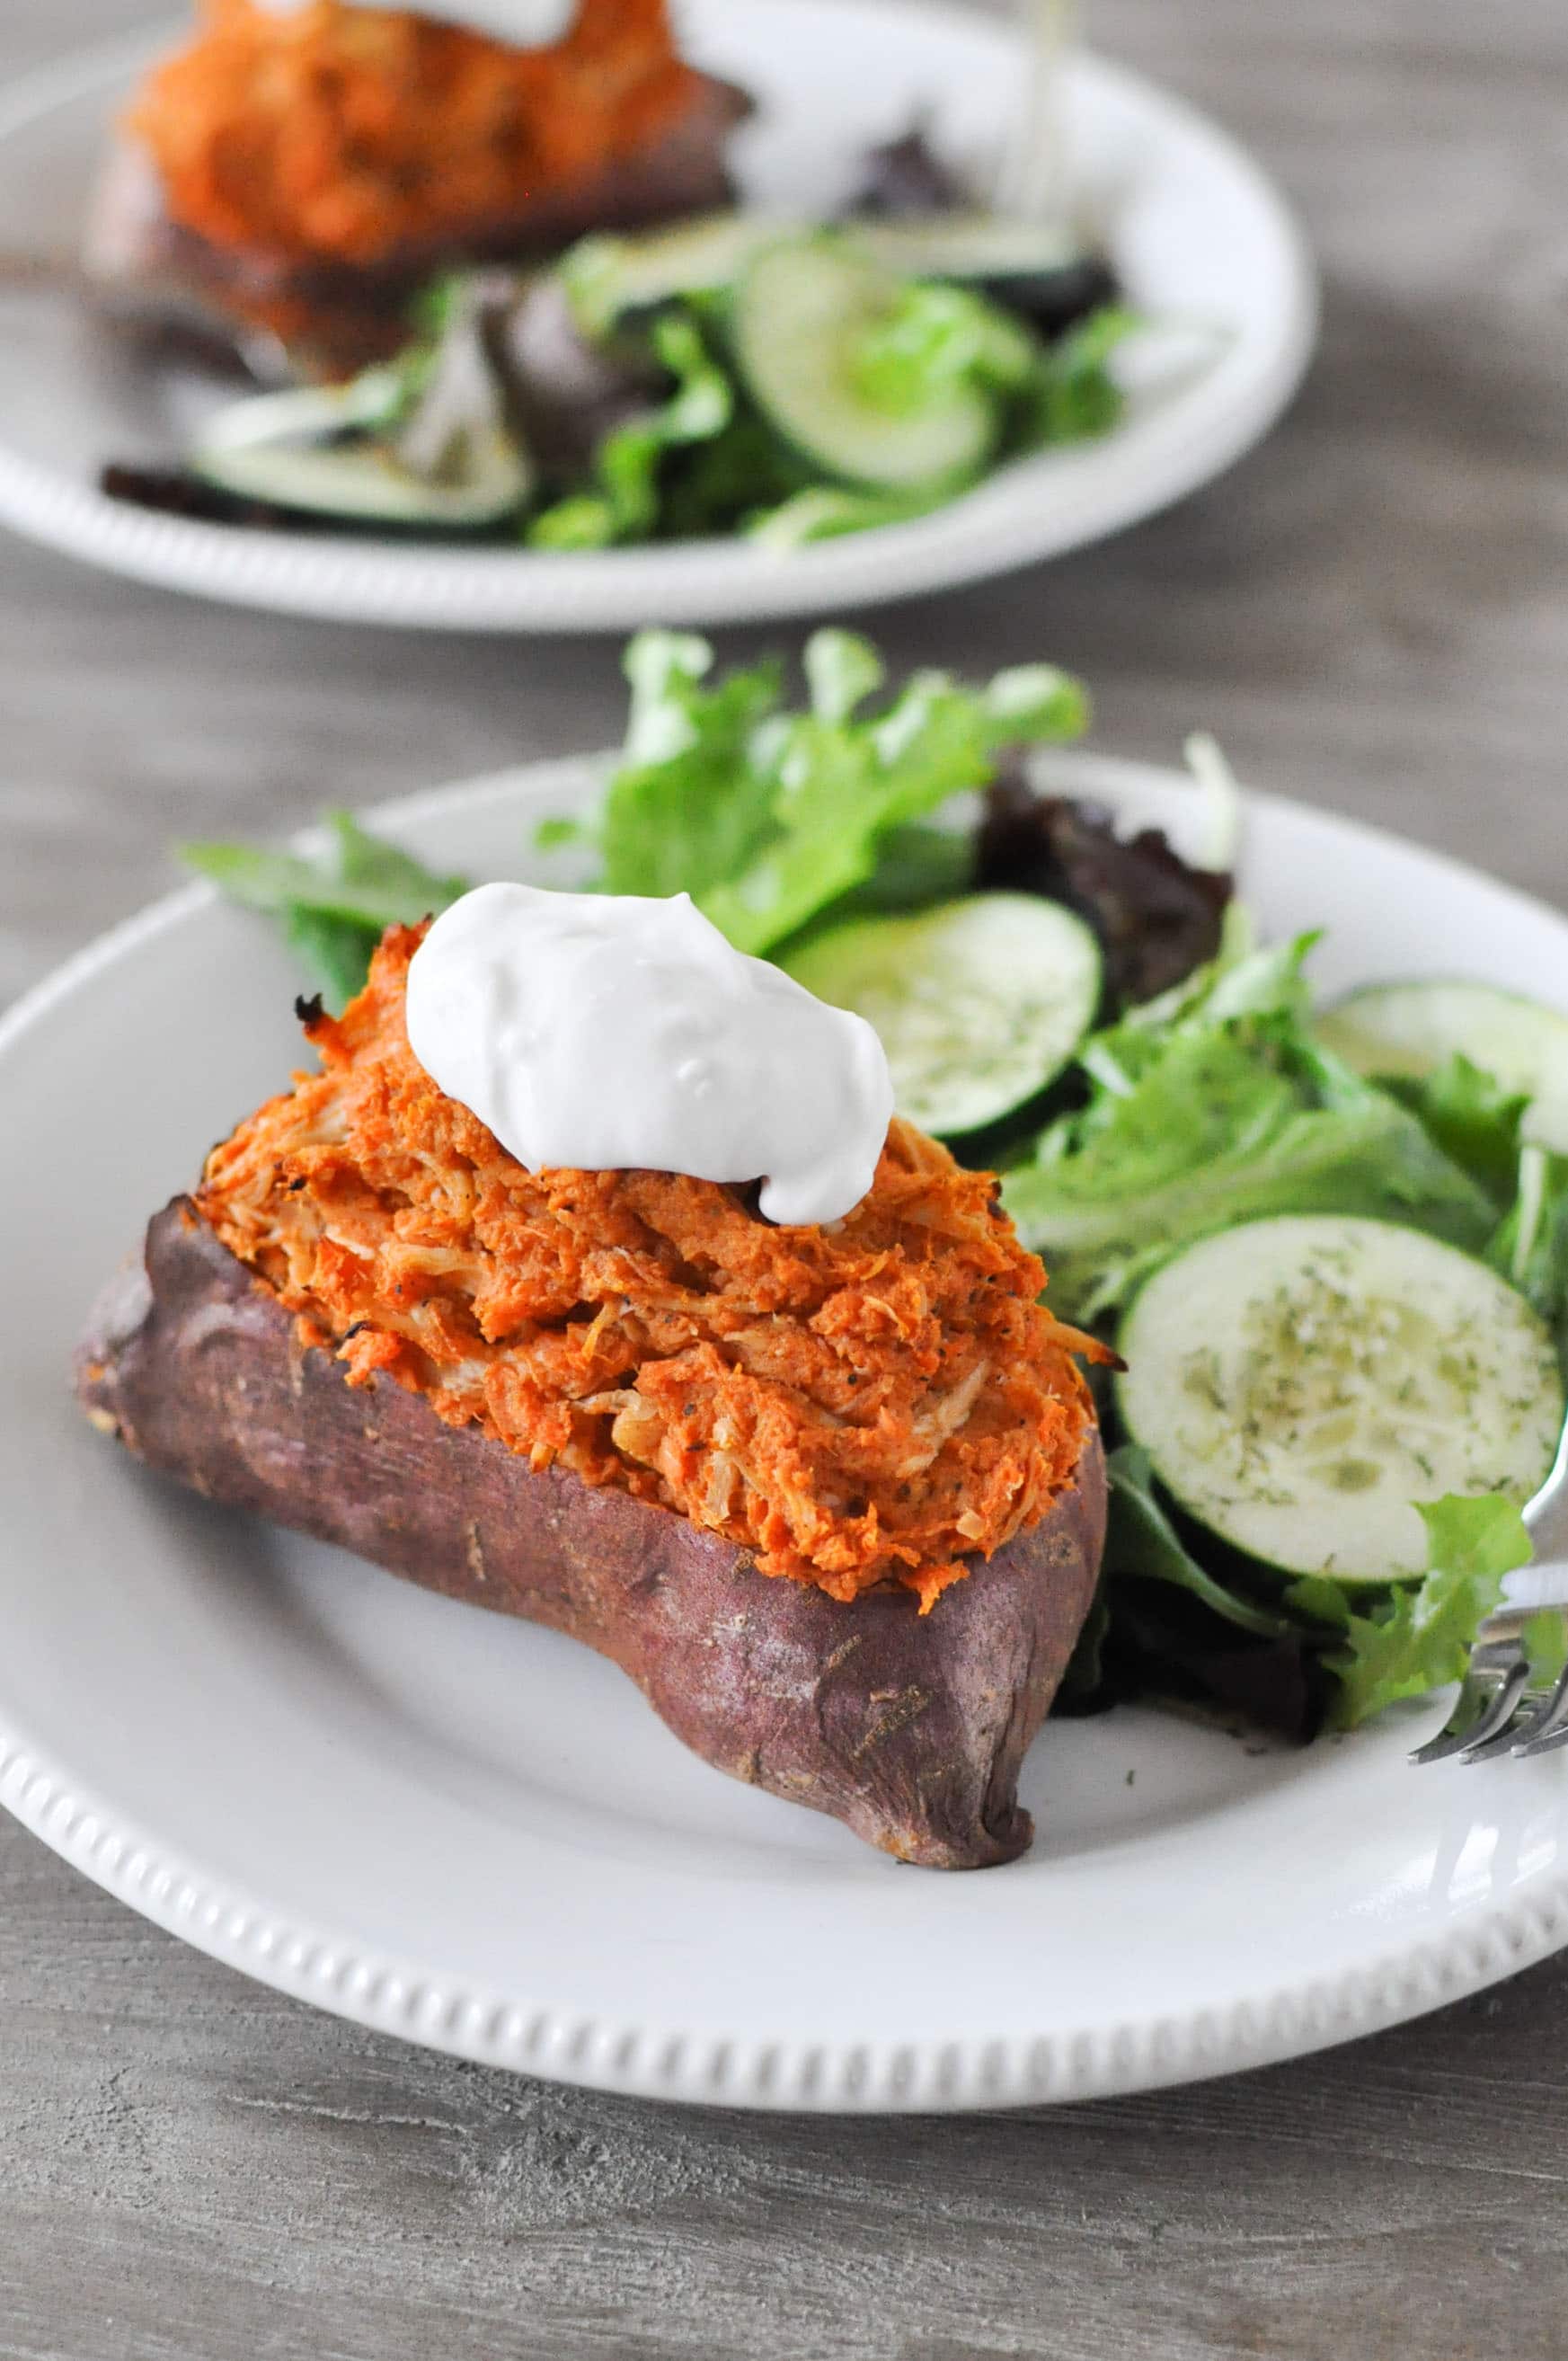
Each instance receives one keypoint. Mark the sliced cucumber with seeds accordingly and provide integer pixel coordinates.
(1414, 1028)
(978, 1002)
(801, 317)
(319, 450)
(1300, 1383)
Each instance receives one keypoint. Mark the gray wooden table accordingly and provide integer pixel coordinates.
(1372, 613)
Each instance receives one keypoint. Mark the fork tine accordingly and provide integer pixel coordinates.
(1493, 1686)
(1500, 1727)
(1455, 1736)
(1500, 1709)
(1549, 1727)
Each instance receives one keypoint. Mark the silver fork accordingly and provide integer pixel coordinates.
(1499, 1709)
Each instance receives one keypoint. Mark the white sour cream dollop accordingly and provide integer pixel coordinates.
(525, 24)
(604, 1032)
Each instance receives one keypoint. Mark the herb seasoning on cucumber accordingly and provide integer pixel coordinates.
(1300, 1383)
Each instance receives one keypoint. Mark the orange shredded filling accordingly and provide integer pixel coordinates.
(879, 1398)
(337, 134)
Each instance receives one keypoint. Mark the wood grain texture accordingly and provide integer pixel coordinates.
(1371, 614)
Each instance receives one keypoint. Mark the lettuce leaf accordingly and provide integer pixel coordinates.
(829, 511)
(1530, 1248)
(1074, 395)
(763, 813)
(1179, 1616)
(739, 480)
(333, 904)
(1141, 1540)
(1419, 1637)
(1157, 917)
(1358, 1647)
(934, 337)
(624, 506)
(915, 866)
(766, 816)
(335, 953)
(1216, 1106)
(686, 808)
(1472, 1119)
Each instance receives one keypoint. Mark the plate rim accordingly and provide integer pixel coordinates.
(388, 1994)
(368, 583)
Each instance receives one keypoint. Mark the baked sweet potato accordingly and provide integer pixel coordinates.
(910, 1728)
(151, 271)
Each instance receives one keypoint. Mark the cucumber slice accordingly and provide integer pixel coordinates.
(982, 249)
(1297, 1383)
(607, 279)
(1413, 1029)
(286, 448)
(800, 313)
(1032, 269)
(978, 1002)
(367, 404)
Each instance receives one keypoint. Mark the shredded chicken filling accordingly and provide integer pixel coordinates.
(880, 1398)
(338, 133)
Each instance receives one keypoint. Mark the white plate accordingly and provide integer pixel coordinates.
(1197, 231)
(476, 1834)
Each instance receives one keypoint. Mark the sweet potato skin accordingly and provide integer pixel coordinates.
(910, 1730)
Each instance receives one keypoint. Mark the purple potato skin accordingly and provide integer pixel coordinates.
(910, 1730)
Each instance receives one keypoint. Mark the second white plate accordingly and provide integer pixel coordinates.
(1197, 233)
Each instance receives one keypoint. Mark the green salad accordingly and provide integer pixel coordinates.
(1331, 1248)
(739, 374)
